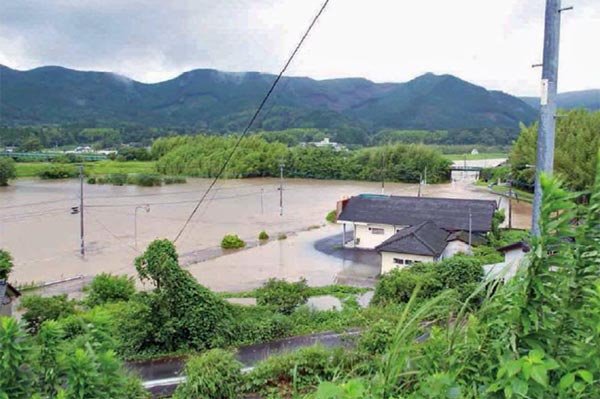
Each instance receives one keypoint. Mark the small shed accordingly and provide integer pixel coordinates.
(6, 304)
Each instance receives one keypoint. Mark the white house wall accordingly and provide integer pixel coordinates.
(387, 260)
(368, 240)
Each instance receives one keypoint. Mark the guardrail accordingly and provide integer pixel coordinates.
(46, 156)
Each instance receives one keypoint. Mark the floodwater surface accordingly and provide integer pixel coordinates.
(37, 227)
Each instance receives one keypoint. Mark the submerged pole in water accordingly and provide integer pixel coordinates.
(81, 235)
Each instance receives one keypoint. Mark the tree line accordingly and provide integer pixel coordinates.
(203, 156)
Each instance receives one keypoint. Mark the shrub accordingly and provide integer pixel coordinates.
(58, 172)
(263, 235)
(283, 375)
(460, 270)
(108, 288)
(331, 216)
(7, 171)
(174, 180)
(144, 179)
(283, 296)
(377, 338)
(282, 236)
(40, 309)
(118, 179)
(6, 264)
(259, 324)
(398, 285)
(232, 241)
(215, 374)
(92, 180)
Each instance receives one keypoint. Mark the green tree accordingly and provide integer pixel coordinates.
(108, 288)
(281, 295)
(38, 309)
(577, 143)
(7, 170)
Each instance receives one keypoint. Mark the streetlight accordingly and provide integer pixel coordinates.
(146, 207)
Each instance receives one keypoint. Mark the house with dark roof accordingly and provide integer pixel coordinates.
(413, 229)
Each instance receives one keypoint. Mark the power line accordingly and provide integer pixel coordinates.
(260, 107)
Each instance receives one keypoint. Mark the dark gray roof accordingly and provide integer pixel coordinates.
(423, 239)
(448, 213)
(515, 245)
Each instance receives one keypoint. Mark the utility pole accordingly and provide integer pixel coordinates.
(145, 207)
(425, 179)
(281, 165)
(510, 195)
(262, 207)
(382, 173)
(470, 227)
(82, 250)
(547, 125)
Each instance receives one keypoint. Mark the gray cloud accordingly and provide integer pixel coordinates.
(153, 40)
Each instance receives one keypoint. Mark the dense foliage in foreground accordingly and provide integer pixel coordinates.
(204, 156)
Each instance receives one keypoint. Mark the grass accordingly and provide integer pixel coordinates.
(32, 169)
(338, 291)
(474, 157)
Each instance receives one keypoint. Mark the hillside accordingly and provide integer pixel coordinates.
(589, 99)
(215, 100)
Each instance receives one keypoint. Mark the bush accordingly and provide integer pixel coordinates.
(108, 288)
(118, 179)
(283, 296)
(460, 270)
(331, 216)
(144, 179)
(58, 172)
(215, 374)
(7, 171)
(398, 285)
(263, 235)
(174, 180)
(6, 264)
(280, 376)
(282, 236)
(232, 241)
(259, 324)
(377, 338)
(39, 309)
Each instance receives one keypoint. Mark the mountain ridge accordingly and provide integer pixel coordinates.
(212, 99)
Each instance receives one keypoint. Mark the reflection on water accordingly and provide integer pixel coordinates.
(37, 227)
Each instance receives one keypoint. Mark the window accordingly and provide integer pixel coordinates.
(398, 261)
(377, 230)
(408, 262)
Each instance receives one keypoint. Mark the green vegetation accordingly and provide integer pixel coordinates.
(106, 288)
(203, 156)
(213, 374)
(39, 309)
(32, 169)
(137, 179)
(7, 171)
(263, 235)
(232, 241)
(52, 365)
(6, 264)
(282, 296)
(577, 143)
(58, 171)
(331, 217)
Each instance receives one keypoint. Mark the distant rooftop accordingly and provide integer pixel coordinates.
(423, 239)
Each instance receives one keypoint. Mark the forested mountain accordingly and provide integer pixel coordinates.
(589, 99)
(213, 100)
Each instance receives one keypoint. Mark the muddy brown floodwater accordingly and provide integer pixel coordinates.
(37, 227)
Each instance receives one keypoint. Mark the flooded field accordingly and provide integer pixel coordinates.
(37, 227)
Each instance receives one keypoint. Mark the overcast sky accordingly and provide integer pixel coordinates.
(489, 42)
